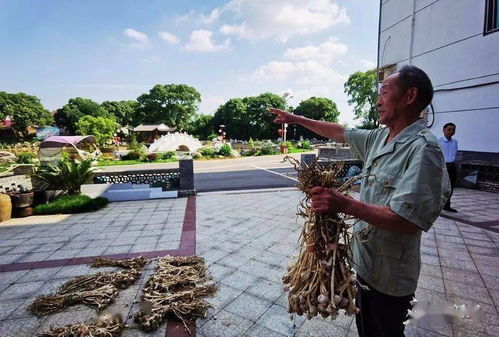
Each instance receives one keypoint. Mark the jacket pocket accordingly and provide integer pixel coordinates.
(388, 259)
(385, 185)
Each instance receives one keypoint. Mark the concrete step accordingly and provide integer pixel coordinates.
(163, 195)
(127, 195)
(126, 192)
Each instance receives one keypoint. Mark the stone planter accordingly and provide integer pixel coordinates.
(21, 200)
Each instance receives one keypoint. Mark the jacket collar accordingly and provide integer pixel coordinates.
(402, 137)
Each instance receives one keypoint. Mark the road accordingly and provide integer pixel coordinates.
(233, 174)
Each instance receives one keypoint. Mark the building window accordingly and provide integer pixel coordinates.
(491, 16)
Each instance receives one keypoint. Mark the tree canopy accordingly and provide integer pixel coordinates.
(201, 126)
(249, 117)
(123, 111)
(318, 108)
(361, 88)
(69, 115)
(24, 110)
(101, 128)
(171, 104)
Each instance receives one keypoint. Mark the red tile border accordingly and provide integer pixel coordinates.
(187, 246)
(175, 328)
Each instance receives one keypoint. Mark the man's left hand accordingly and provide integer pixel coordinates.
(328, 200)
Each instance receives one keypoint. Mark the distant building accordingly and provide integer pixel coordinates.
(149, 133)
(457, 43)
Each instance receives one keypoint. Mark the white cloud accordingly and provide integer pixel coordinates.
(325, 52)
(140, 40)
(368, 64)
(281, 19)
(168, 37)
(309, 71)
(302, 73)
(210, 103)
(201, 41)
(211, 18)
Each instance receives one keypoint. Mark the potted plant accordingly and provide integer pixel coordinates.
(284, 146)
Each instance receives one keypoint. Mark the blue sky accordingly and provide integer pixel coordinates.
(115, 50)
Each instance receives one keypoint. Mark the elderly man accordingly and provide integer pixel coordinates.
(404, 191)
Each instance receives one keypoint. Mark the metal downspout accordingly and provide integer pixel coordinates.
(413, 24)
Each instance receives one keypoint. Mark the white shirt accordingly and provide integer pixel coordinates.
(449, 149)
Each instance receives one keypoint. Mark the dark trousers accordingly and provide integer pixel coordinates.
(380, 315)
(451, 169)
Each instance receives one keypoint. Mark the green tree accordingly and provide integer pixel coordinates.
(123, 111)
(232, 115)
(318, 108)
(248, 117)
(172, 104)
(69, 115)
(261, 122)
(24, 110)
(361, 88)
(101, 128)
(201, 126)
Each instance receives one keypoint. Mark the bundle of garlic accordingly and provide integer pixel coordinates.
(134, 263)
(121, 280)
(106, 326)
(174, 290)
(99, 298)
(321, 281)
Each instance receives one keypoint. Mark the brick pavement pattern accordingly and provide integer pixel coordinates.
(247, 240)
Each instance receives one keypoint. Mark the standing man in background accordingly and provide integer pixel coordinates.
(449, 149)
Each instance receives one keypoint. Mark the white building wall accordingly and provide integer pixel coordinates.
(446, 40)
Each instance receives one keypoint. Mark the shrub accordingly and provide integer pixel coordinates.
(306, 145)
(287, 144)
(69, 204)
(67, 175)
(267, 148)
(196, 155)
(150, 157)
(25, 157)
(168, 155)
(212, 136)
(249, 152)
(208, 152)
(225, 150)
(132, 155)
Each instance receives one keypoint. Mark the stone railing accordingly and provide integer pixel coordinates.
(181, 179)
(19, 175)
(347, 162)
(334, 152)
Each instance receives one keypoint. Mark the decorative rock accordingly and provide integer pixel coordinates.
(7, 157)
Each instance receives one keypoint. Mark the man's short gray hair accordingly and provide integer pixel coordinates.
(411, 76)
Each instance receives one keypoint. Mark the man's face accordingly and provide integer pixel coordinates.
(390, 104)
(449, 131)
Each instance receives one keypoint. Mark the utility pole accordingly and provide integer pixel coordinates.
(284, 127)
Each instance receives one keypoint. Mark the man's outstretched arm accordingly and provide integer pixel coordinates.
(329, 130)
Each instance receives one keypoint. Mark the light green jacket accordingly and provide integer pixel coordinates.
(408, 174)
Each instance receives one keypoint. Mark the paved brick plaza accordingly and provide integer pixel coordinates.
(247, 240)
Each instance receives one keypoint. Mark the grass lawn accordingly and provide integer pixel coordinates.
(295, 150)
(69, 204)
(107, 162)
